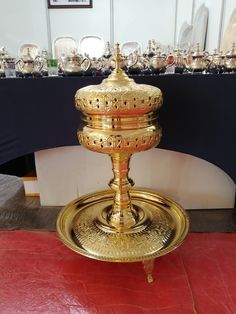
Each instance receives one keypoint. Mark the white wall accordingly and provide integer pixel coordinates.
(23, 22)
(79, 22)
(138, 20)
(190, 181)
(30, 21)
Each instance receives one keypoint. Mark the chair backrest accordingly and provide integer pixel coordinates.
(92, 45)
(64, 46)
(185, 36)
(129, 47)
(32, 49)
(200, 27)
(229, 36)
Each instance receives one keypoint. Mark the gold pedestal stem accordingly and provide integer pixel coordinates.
(123, 216)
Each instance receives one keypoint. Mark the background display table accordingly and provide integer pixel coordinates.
(198, 115)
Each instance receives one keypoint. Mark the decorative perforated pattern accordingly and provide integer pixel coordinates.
(135, 99)
(129, 142)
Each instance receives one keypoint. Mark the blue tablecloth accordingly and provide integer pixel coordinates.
(197, 117)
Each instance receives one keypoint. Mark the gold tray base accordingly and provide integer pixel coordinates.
(161, 226)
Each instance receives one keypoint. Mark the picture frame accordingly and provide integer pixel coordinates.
(70, 4)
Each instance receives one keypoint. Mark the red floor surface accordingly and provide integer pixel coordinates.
(40, 275)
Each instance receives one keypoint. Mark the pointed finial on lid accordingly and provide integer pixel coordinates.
(117, 58)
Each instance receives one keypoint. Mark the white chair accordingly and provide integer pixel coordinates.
(230, 33)
(185, 36)
(200, 27)
(129, 47)
(64, 46)
(92, 45)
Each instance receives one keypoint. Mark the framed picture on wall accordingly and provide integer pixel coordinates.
(69, 4)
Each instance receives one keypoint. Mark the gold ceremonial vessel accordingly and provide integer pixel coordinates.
(121, 224)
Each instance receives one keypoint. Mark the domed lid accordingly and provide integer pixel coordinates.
(118, 95)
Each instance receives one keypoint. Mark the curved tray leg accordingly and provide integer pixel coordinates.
(148, 266)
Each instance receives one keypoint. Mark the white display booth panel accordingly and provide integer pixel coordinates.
(66, 173)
